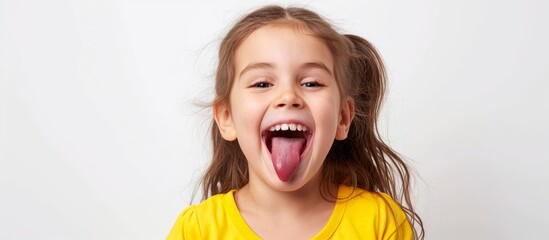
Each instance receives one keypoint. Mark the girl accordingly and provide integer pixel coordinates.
(296, 152)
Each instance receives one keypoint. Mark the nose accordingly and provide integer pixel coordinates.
(288, 98)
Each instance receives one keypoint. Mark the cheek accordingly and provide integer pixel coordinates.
(327, 109)
(246, 113)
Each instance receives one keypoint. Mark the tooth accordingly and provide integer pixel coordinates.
(299, 127)
(304, 128)
(277, 127)
(284, 127)
(292, 126)
(272, 129)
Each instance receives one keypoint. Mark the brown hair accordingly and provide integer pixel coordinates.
(362, 160)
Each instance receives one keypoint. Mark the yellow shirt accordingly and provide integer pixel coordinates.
(358, 214)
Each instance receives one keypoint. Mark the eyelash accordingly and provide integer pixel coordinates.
(313, 84)
(309, 84)
(261, 84)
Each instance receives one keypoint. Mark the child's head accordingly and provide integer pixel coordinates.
(363, 89)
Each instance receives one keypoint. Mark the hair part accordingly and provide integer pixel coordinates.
(362, 160)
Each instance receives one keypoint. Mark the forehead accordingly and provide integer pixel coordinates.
(282, 45)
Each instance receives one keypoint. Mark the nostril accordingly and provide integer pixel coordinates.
(281, 105)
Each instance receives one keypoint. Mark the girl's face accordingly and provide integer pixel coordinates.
(285, 107)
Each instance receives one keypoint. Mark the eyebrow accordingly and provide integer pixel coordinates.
(263, 65)
(256, 66)
(318, 65)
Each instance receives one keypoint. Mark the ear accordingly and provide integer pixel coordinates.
(346, 117)
(224, 122)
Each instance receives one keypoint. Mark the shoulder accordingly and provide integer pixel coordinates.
(213, 204)
(206, 219)
(369, 201)
(376, 210)
(186, 223)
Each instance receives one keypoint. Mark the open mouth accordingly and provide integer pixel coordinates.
(286, 144)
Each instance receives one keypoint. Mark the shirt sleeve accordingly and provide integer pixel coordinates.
(395, 224)
(186, 226)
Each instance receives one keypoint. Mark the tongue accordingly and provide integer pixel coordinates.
(285, 154)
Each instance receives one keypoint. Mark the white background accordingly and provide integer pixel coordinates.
(101, 137)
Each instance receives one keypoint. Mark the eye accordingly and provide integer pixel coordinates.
(312, 84)
(261, 84)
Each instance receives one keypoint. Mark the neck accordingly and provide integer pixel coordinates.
(301, 213)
